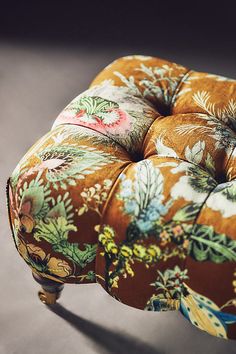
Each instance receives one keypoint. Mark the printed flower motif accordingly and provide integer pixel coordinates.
(144, 225)
(97, 113)
(128, 269)
(147, 254)
(107, 234)
(143, 198)
(115, 281)
(27, 222)
(139, 251)
(126, 251)
(176, 278)
(177, 230)
(38, 259)
(165, 238)
(153, 253)
(178, 234)
(130, 206)
(106, 239)
(64, 165)
(154, 83)
(126, 187)
(29, 203)
(94, 197)
(170, 283)
(151, 214)
(59, 267)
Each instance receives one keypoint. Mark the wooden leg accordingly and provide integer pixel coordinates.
(51, 290)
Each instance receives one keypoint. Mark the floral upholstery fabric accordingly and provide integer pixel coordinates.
(134, 188)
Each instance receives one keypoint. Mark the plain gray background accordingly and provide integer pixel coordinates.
(36, 82)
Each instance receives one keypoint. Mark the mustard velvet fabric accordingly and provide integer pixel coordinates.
(134, 188)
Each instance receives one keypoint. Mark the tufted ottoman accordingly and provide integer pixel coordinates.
(134, 188)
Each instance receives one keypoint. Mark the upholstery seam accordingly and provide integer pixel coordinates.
(8, 210)
(187, 73)
(107, 136)
(149, 128)
(196, 218)
(177, 89)
(112, 188)
(184, 160)
(102, 216)
(230, 155)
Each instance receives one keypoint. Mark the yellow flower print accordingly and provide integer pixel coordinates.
(106, 239)
(128, 269)
(111, 247)
(107, 234)
(114, 281)
(154, 251)
(126, 251)
(139, 251)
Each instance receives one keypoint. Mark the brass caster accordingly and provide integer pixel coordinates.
(51, 290)
(48, 298)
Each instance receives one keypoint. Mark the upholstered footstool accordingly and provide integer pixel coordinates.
(134, 188)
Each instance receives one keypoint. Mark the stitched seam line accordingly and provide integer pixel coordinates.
(153, 156)
(196, 218)
(187, 74)
(8, 210)
(230, 155)
(181, 159)
(104, 209)
(145, 136)
(171, 106)
(107, 136)
(112, 189)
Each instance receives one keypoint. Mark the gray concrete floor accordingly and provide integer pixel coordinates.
(36, 82)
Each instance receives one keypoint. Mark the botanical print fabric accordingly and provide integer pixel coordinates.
(134, 188)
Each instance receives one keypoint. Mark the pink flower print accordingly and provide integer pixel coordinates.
(113, 121)
(96, 113)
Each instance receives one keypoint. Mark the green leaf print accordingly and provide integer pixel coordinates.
(92, 105)
(188, 212)
(200, 180)
(53, 229)
(72, 252)
(206, 244)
